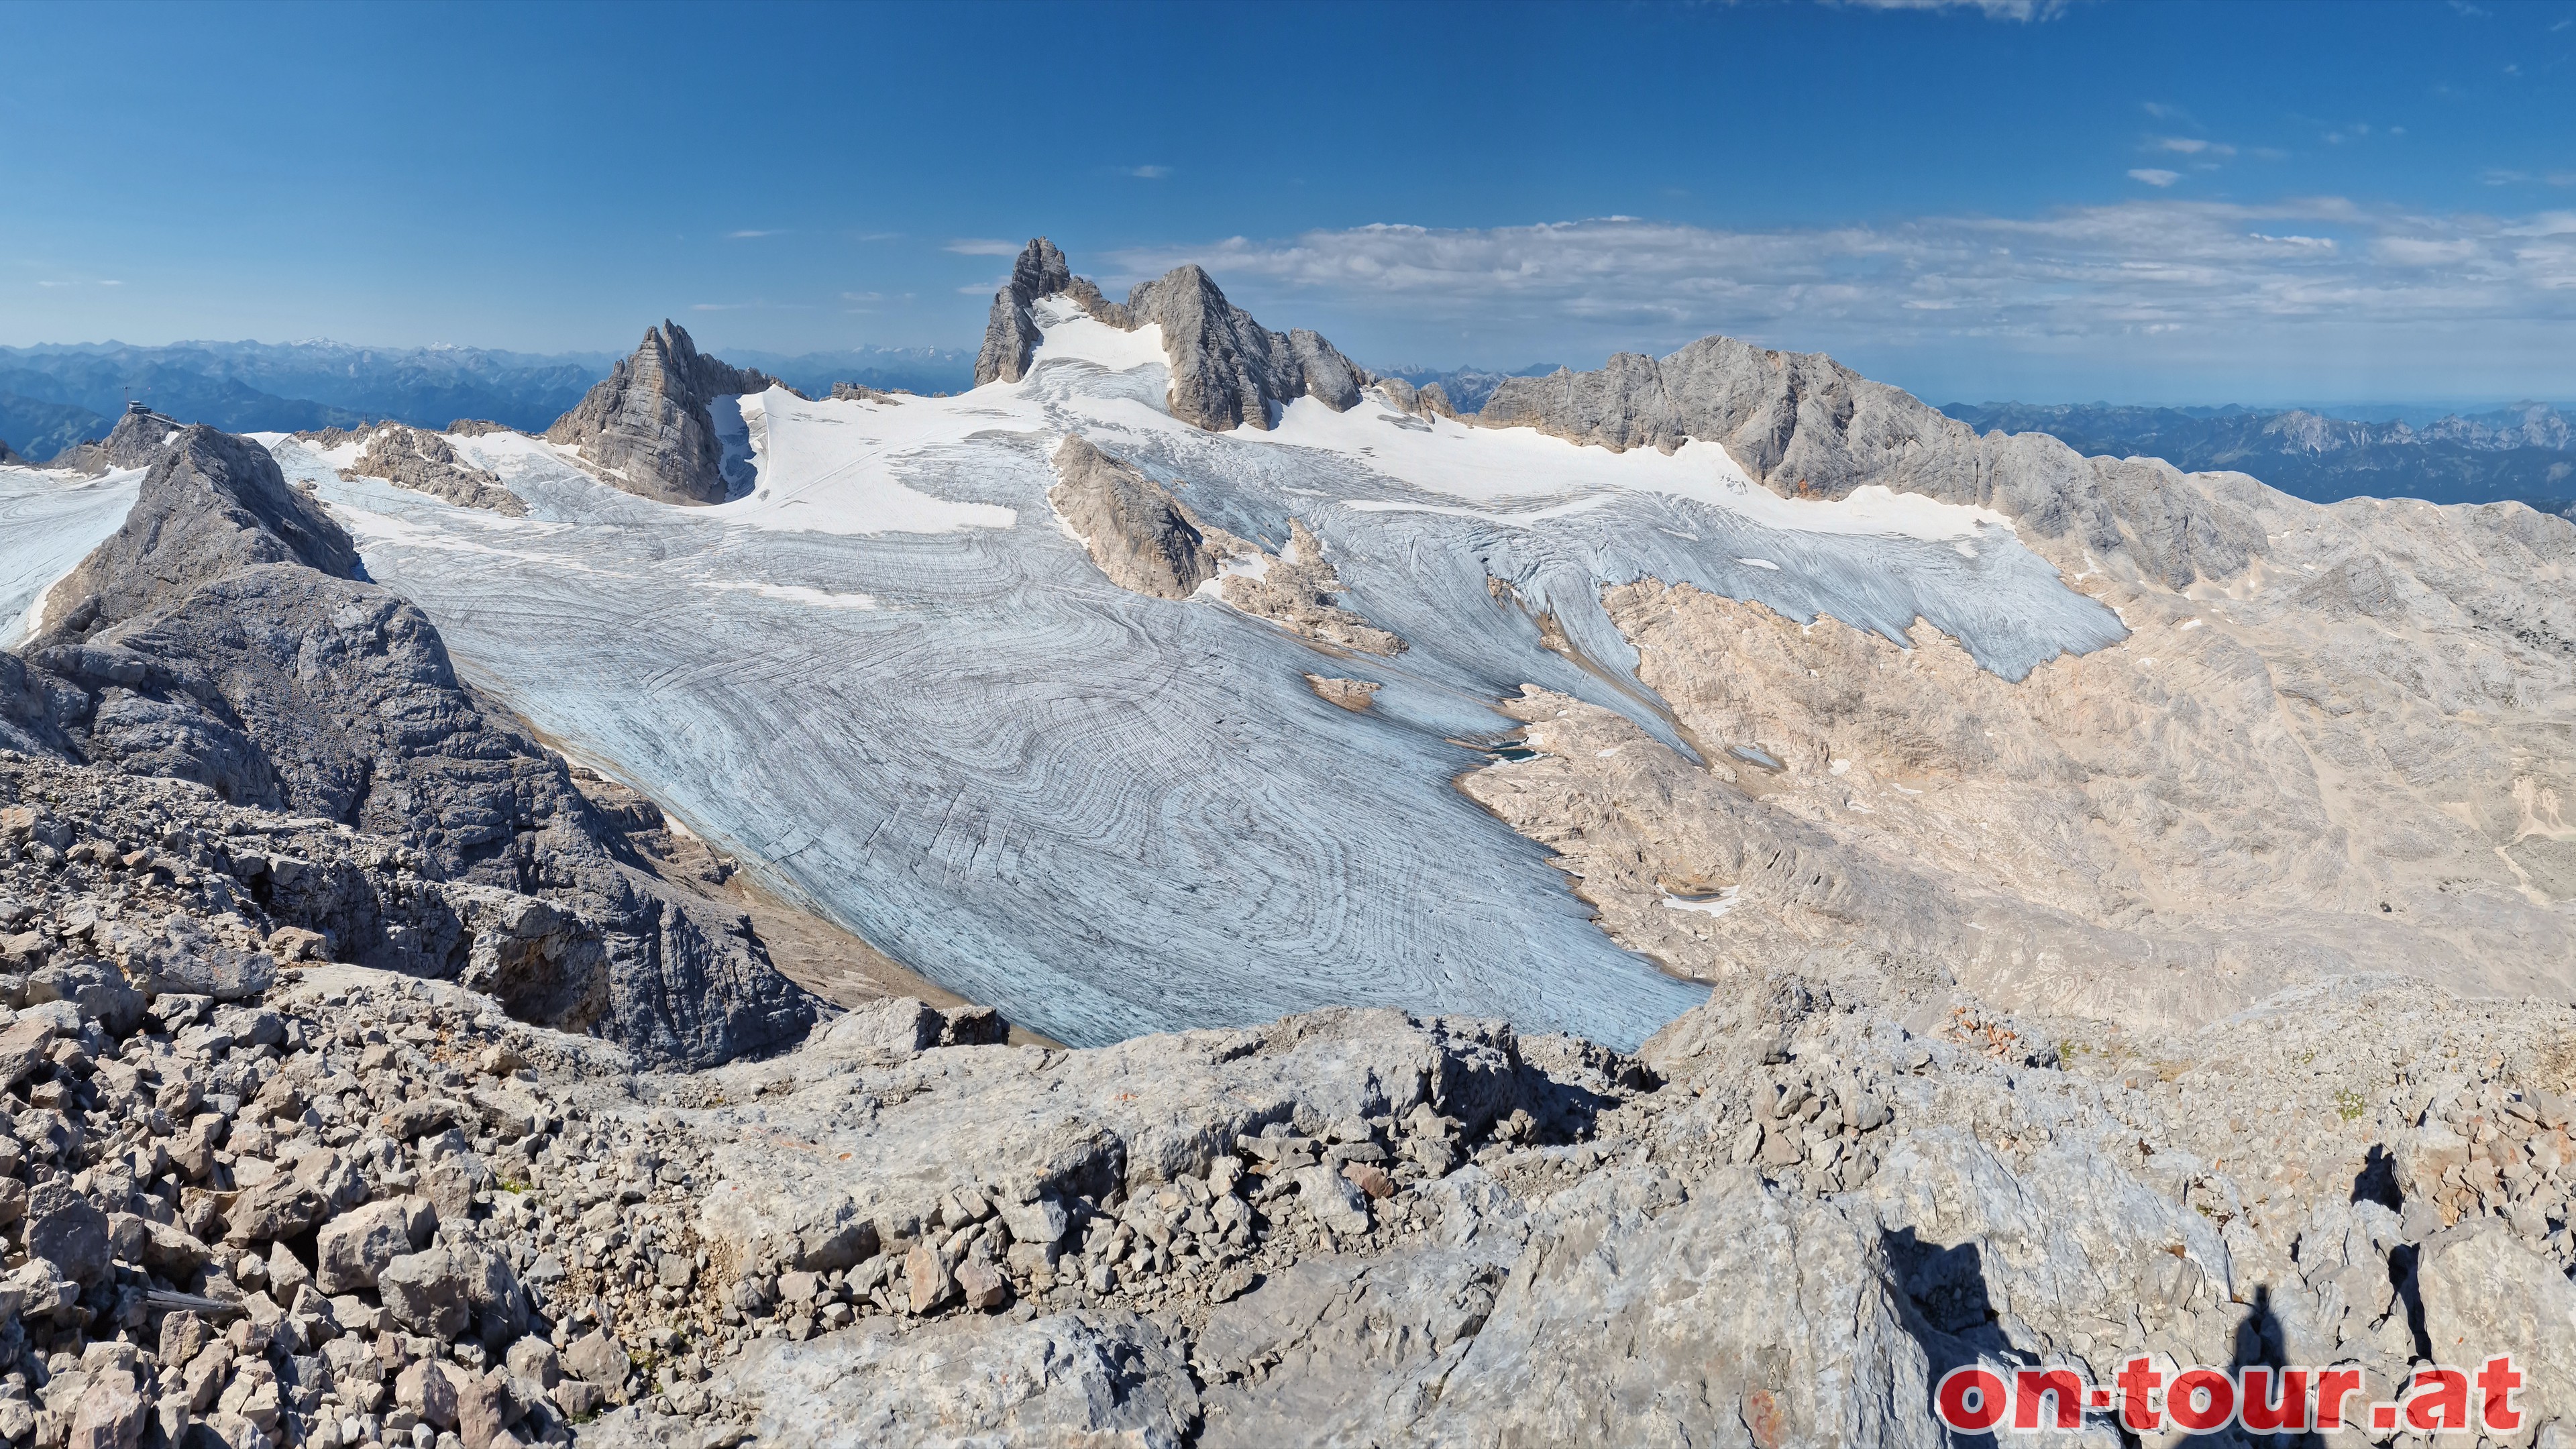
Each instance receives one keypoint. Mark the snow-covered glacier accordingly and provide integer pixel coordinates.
(888, 673)
(48, 523)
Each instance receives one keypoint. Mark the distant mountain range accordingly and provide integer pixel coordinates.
(1468, 387)
(54, 396)
(2526, 450)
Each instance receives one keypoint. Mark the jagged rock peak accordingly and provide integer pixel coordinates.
(647, 424)
(1227, 369)
(9, 457)
(1012, 333)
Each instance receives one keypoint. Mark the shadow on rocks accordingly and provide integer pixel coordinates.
(1946, 1309)
(2260, 1342)
(2377, 1181)
(1565, 1083)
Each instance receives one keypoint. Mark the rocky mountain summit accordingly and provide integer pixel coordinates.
(1228, 371)
(138, 437)
(646, 426)
(1805, 426)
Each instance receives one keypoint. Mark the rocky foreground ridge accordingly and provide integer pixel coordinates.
(249, 1196)
(226, 635)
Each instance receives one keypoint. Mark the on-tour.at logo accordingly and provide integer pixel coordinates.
(2437, 1399)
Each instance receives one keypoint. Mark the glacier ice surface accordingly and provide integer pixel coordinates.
(886, 672)
(48, 523)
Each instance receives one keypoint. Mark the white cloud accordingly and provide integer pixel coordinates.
(2153, 176)
(2192, 146)
(974, 246)
(2070, 280)
(1149, 173)
(746, 235)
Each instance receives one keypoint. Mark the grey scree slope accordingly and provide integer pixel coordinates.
(1106, 813)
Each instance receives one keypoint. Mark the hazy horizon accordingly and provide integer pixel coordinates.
(2007, 199)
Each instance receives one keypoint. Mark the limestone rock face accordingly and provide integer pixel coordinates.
(1012, 333)
(224, 636)
(1071, 1378)
(1806, 426)
(1424, 402)
(646, 425)
(212, 505)
(1228, 370)
(422, 461)
(1139, 535)
(2481, 1284)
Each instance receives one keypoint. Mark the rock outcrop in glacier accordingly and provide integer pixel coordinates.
(227, 635)
(1139, 536)
(421, 460)
(646, 425)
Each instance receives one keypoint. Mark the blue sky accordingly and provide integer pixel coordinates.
(2141, 201)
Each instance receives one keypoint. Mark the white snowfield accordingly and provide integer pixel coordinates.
(48, 523)
(888, 672)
